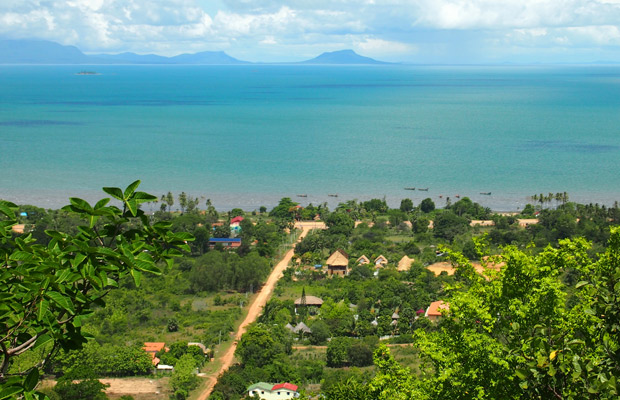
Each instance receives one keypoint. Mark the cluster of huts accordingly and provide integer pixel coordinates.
(337, 263)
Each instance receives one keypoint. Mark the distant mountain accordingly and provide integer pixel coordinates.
(342, 57)
(206, 57)
(202, 58)
(132, 58)
(45, 52)
(40, 52)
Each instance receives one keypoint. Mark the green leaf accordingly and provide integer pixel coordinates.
(80, 204)
(131, 188)
(522, 373)
(31, 379)
(114, 192)
(7, 209)
(143, 197)
(101, 203)
(147, 267)
(92, 221)
(10, 392)
(132, 206)
(22, 256)
(42, 340)
(62, 301)
(185, 236)
(54, 234)
(582, 283)
(137, 276)
(43, 307)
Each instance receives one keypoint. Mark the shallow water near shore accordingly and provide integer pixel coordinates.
(245, 136)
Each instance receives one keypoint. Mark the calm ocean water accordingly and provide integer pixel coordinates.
(248, 135)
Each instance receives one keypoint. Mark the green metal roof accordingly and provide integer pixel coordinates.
(261, 386)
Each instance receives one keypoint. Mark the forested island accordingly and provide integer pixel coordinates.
(414, 302)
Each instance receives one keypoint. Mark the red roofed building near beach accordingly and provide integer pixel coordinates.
(236, 220)
(434, 311)
(269, 391)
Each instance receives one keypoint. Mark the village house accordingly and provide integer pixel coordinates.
(338, 263)
(308, 301)
(235, 227)
(434, 310)
(269, 391)
(363, 260)
(381, 261)
(405, 263)
(227, 243)
(153, 348)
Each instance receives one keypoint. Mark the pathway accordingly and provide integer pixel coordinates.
(257, 306)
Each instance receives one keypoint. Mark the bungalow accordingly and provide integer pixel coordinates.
(311, 301)
(363, 260)
(269, 391)
(381, 261)
(434, 310)
(227, 243)
(236, 220)
(235, 228)
(405, 263)
(338, 263)
(152, 348)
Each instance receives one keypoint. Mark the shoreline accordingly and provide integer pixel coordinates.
(499, 203)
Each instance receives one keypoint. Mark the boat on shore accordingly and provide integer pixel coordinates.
(423, 190)
(485, 193)
(302, 195)
(333, 195)
(409, 188)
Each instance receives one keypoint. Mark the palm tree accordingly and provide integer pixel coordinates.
(541, 200)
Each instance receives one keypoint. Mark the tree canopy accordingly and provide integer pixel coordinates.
(48, 289)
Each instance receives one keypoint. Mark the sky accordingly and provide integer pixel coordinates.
(410, 31)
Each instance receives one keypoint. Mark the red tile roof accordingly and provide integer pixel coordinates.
(236, 219)
(153, 347)
(286, 385)
(435, 308)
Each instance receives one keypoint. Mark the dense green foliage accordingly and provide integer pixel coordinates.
(48, 289)
(516, 335)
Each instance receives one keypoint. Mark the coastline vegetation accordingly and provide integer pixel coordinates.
(537, 323)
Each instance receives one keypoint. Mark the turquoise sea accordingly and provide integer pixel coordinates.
(245, 136)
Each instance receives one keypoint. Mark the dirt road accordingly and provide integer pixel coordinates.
(257, 306)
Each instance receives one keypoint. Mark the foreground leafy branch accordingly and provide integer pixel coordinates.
(47, 291)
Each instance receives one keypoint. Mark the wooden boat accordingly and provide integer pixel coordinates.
(485, 193)
(332, 195)
(302, 195)
(409, 188)
(423, 190)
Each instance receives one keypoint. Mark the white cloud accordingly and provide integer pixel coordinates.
(379, 47)
(493, 14)
(373, 27)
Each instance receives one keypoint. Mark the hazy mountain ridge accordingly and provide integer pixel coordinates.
(46, 52)
(342, 57)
